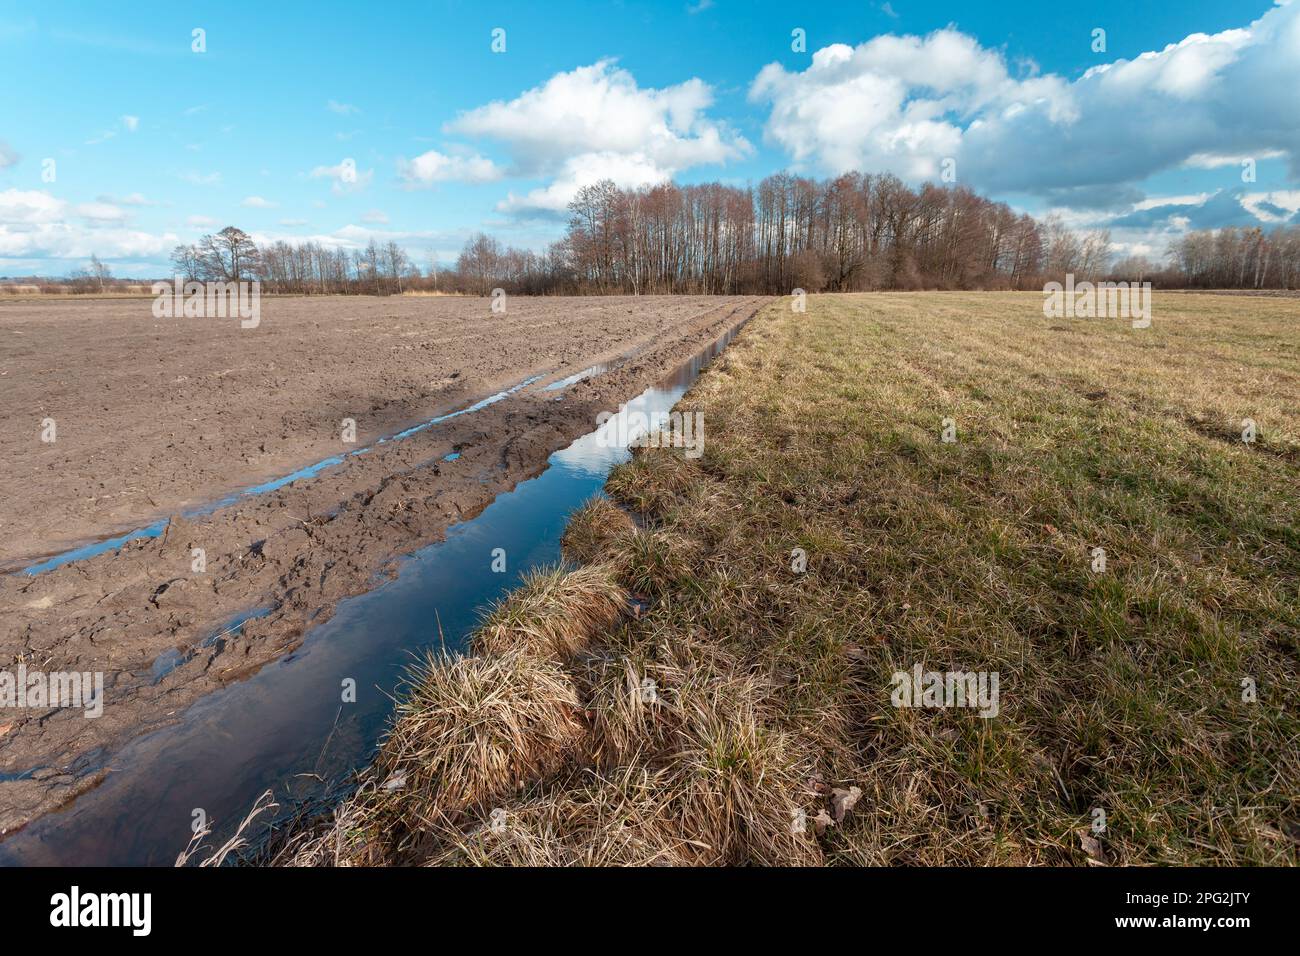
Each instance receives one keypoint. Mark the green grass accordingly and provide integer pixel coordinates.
(1119, 690)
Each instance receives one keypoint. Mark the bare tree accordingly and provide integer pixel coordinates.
(479, 263)
(395, 263)
(228, 256)
(100, 272)
(186, 261)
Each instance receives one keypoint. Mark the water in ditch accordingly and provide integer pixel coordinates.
(286, 728)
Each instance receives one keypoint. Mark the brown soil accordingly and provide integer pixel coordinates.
(159, 416)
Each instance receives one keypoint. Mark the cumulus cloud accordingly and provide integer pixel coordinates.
(30, 206)
(36, 225)
(895, 103)
(630, 171)
(906, 103)
(595, 121)
(435, 167)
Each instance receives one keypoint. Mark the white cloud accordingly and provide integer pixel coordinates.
(343, 109)
(905, 103)
(293, 222)
(200, 222)
(35, 225)
(129, 123)
(201, 179)
(596, 121)
(101, 212)
(1216, 161)
(894, 103)
(26, 207)
(257, 202)
(375, 216)
(1191, 199)
(7, 155)
(345, 177)
(421, 244)
(1273, 207)
(630, 172)
(435, 167)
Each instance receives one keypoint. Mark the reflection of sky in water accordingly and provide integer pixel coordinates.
(599, 451)
(286, 719)
(284, 728)
(576, 377)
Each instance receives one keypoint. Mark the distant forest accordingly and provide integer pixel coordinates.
(855, 232)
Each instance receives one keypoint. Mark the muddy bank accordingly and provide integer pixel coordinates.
(154, 416)
(163, 634)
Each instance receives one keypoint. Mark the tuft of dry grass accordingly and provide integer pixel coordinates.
(553, 613)
(657, 479)
(597, 532)
(587, 819)
(472, 730)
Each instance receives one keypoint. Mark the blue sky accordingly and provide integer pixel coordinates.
(153, 144)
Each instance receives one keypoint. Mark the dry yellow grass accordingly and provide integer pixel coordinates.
(746, 717)
(597, 532)
(553, 613)
(472, 730)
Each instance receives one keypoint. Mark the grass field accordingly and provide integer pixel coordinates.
(1146, 710)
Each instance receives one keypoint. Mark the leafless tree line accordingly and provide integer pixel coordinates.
(301, 268)
(1234, 258)
(855, 232)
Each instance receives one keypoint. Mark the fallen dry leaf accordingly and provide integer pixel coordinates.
(1092, 846)
(844, 800)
